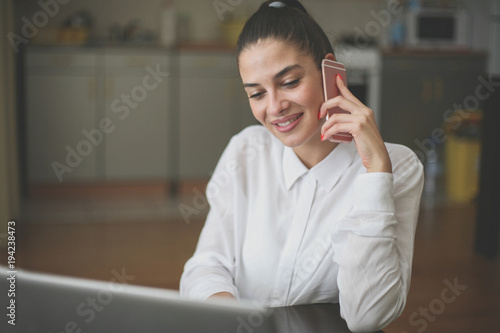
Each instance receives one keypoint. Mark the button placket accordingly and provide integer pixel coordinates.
(286, 266)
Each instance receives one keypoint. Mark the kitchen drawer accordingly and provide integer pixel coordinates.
(449, 64)
(128, 58)
(212, 64)
(60, 57)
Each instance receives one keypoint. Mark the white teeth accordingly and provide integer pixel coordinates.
(288, 122)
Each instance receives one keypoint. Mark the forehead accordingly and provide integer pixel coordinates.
(267, 57)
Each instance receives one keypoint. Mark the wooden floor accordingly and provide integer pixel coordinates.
(147, 235)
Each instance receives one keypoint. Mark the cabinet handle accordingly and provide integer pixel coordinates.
(438, 89)
(432, 89)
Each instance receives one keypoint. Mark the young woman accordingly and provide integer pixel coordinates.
(295, 218)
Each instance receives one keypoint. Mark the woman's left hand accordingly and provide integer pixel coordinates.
(360, 123)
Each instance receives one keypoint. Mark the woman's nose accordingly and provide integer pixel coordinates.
(277, 104)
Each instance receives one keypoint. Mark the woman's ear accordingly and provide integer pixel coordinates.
(330, 56)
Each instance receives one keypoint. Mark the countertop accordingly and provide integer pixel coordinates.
(208, 46)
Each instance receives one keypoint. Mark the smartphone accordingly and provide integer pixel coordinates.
(329, 70)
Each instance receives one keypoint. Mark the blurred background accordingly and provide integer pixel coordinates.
(114, 114)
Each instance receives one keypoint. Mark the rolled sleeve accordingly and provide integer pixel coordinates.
(373, 245)
(374, 192)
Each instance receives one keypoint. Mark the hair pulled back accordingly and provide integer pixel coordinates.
(289, 22)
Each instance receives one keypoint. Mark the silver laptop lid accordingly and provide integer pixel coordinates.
(54, 304)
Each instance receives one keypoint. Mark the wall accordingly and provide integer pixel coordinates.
(9, 185)
(494, 28)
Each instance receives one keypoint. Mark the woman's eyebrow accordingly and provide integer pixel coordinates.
(276, 76)
(285, 70)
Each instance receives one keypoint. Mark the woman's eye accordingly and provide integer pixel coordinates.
(291, 84)
(256, 95)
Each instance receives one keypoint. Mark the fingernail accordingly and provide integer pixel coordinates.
(319, 114)
(338, 75)
(322, 137)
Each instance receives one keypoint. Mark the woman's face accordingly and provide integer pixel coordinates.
(285, 91)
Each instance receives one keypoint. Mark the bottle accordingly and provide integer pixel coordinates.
(414, 5)
(432, 170)
(398, 32)
(167, 35)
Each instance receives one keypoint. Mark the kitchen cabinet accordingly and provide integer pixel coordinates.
(61, 102)
(97, 114)
(121, 113)
(212, 108)
(137, 86)
(419, 92)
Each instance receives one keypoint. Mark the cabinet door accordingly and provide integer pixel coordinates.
(245, 116)
(60, 109)
(206, 124)
(408, 107)
(419, 91)
(212, 108)
(137, 103)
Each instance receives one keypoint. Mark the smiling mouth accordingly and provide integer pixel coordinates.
(286, 123)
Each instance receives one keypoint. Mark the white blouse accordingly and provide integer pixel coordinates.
(281, 234)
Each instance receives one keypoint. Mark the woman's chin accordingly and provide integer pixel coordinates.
(292, 140)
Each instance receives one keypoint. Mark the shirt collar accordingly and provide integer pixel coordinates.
(293, 168)
(327, 172)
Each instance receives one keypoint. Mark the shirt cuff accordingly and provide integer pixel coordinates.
(210, 287)
(374, 192)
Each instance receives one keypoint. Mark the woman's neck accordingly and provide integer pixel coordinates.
(314, 151)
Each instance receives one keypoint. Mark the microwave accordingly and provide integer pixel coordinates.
(437, 28)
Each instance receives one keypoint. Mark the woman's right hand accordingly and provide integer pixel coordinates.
(360, 123)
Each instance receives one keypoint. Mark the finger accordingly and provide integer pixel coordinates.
(337, 119)
(341, 102)
(356, 129)
(346, 100)
(344, 91)
(357, 122)
(337, 129)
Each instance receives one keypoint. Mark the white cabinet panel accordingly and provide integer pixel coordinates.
(48, 58)
(163, 121)
(60, 109)
(100, 114)
(212, 108)
(206, 124)
(138, 147)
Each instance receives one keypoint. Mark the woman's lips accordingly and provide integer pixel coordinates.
(288, 123)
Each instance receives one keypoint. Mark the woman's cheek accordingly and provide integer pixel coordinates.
(258, 111)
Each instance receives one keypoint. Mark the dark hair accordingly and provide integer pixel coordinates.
(291, 24)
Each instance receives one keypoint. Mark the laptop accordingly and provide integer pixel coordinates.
(58, 304)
